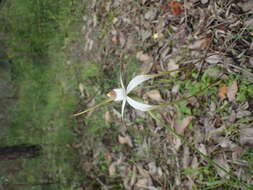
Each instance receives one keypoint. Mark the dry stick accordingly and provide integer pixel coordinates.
(209, 160)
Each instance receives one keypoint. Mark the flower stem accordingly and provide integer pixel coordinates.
(93, 107)
(171, 71)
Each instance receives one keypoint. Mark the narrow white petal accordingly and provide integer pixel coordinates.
(120, 94)
(123, 107)
(138, 80)
(140, 106)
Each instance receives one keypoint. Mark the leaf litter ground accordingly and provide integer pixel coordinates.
(156, 36)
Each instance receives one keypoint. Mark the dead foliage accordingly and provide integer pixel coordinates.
(164, 35)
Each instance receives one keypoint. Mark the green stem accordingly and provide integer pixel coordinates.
(209, 160)
(171, 71)
(93, 107)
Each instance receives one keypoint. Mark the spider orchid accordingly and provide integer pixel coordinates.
(121, 94)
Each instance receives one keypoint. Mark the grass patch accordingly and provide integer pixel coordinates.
(39, 36)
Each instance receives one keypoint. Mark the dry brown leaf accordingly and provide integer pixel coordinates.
(172, 65)
(195, 163)
(213, 59)
(246, 6)
(180, 128)
(133, 178)
(200, 44)
(143, 172)
(186, 157)
(87, 166)
(125, 140)
(122, 39)
(222, 92)
(246, 136)
(204, 1)
(108, 157)
(202, 149)
(154, 95)
(112, 169)
(114, 39)
(176, 8)
(143, 182)
(232, 91)
(81, 89)
(143, 57)
(107, 116)
(223, 163)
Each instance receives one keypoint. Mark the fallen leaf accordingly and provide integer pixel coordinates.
(176, 8)
(180, 128)
(175, 89)
(195, 163)
(204, 1)
(125, 140)
(122, 39)
(172, 65)
(154, 95)
(151, 14)
(143, 182)
(107, 117)
(114, 39)
(81, 88)
(246, 136)
(223, 163)
(108, 156)
(202, 149)
(222, 92)
(143, 57)
(246, 6)
(213, 59)
(232, 91)
(200, 44)
(226, 143)
(186, 157)
(133, 178)
(243, 114)
(152, 168)
(87, 166)
(112, 169)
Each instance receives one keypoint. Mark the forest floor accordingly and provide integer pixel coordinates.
(201, 142)
(147, 37)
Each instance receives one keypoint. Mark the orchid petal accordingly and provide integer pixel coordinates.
(123, 107)
(140, 106)
(120, 94)
(136, 81)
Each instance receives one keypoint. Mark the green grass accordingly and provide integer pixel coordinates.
(47, 87)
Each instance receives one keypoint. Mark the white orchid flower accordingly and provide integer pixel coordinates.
(121, 94)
